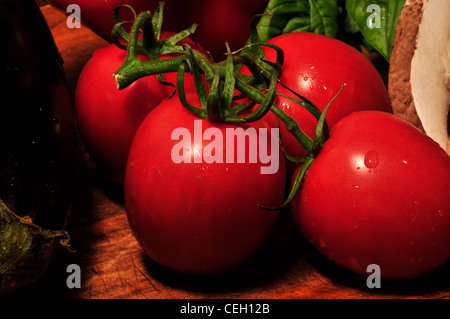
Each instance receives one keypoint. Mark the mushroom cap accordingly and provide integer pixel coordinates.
(419, 75)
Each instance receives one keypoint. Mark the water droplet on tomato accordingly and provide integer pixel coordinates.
(411, 243)
(371, 159)
(355, 226)
(413, 218)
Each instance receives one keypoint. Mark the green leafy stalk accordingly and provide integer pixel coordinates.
(307, 161)
(319, 136)
(223, 78)
(118, 29)
(218, 75)
(200, 112)
(26, 250)
(151, 45)
(229, 82)
(215, 113)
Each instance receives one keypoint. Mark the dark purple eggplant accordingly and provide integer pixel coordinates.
(36, 119)
(37, 141)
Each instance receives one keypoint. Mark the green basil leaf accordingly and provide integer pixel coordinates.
(377, 21)
(283, 16)
(324, 15)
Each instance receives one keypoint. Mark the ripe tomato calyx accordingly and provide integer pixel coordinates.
(151, 27)
(215, 101)
(145, 38)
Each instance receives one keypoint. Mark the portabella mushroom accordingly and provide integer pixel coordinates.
(419, 75)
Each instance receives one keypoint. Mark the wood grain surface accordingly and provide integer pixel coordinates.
(113, 265)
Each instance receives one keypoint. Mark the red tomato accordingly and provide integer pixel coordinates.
(316, 66)
(98, 14)
(219, 21)
(198, 218)
(225, 21)
(378, 193)
(108, 118)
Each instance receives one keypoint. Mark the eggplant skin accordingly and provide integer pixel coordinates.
(37, 141)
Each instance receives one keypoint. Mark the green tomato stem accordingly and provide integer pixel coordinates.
(134, 68)
(222, 77)
(263, 71)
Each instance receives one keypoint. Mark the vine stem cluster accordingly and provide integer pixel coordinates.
(218, 99)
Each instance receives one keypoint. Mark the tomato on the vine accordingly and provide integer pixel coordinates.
(378, 193)
(197, 215)
(107, 117)
(316, 67)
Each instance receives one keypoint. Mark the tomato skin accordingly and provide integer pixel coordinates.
(224, 21)
(378, 193)
(196, 218)
(316, 66)
(107, 117)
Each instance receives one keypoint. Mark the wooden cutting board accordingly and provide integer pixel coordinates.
(113, 265)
